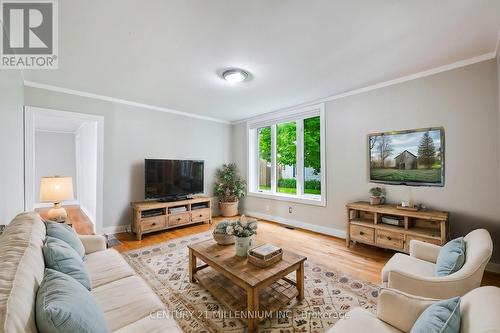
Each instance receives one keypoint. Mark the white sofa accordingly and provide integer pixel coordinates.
(125, 298)
(415, 274)
(397, 312)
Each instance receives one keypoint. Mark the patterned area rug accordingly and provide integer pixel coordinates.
(329, 294)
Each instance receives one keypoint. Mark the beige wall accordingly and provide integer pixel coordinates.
(131, 135)
(54, 156)
(11, 145)
(464, 101)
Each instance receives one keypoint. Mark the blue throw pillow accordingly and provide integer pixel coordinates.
(60, 256)
(440, 317)
(451, 257)
(66, 233)
(64, 305)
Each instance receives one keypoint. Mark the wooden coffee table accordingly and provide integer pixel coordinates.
(241, 286)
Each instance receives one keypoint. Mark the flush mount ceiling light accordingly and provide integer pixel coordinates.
(234, 75)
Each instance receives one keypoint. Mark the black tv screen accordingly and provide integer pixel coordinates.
(166, 179)
(412, 157)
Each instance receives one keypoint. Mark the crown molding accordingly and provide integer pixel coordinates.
(119, 101)
(455, 65)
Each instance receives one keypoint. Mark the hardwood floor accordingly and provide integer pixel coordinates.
(362, 261)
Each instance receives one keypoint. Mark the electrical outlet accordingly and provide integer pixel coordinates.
(290, 210)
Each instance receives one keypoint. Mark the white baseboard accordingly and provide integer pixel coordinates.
(299, 224)
(493, 267)
(115, 229)
(49, 204)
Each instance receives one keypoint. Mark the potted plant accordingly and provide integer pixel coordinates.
(377, 196)
(242, 230)
(229, 188)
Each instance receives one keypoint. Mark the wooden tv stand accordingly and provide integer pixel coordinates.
(150, 216)
(364, 225)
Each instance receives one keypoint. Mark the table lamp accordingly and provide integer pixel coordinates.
(55, 190)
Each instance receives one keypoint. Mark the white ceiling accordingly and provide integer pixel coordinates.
(168, 53)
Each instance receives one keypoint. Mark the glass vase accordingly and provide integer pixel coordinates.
(242, 245)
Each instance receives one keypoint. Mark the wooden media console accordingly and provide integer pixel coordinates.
(150, 216)
(364, 225)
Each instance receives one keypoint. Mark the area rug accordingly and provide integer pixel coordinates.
(329, 294)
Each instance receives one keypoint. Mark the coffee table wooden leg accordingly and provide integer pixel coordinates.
(192, 266)
(253, 309)
(300, 281)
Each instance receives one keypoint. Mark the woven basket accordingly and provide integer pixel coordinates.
(224, 239)
(264, 263)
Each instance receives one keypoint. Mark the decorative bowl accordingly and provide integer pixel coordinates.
(224, 239)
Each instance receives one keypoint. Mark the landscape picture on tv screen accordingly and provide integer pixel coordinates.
(414, 157)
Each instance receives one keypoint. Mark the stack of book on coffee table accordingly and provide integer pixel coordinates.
(265, 255)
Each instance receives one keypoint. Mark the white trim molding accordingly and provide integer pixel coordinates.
(29, 156)
(299, 224)
(115, 229)
(297, 116)
(118, 100)
(436, 70)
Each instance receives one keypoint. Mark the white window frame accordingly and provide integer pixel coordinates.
(297, 115)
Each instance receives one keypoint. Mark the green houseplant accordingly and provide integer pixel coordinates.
(229, 188)
(377, 196)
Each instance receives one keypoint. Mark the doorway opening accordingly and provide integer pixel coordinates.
(65, 144)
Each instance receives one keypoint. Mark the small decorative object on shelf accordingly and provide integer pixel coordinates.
(243, 230)
(377, 196)
(220, 235)
(405, 206)
(398, 221)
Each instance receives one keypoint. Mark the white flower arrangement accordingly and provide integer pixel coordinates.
(242, 228)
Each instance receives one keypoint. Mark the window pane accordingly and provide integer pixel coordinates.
(286, 148)
(312, 156)
(264, 135)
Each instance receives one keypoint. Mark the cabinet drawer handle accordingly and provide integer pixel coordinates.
(389, 238)
(361, 233)
(201, 215)
(153, 224)
(178, 219)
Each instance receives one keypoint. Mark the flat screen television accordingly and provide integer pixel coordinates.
(412, 157)
(173, 179)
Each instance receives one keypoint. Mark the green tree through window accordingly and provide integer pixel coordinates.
(286, 156)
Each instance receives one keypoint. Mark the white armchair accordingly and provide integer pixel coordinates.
(415, 274)
(397, 312)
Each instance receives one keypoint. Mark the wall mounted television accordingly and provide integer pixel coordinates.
(169, 180)
(412, 157)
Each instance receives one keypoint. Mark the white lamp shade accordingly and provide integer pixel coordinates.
(56, 189)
